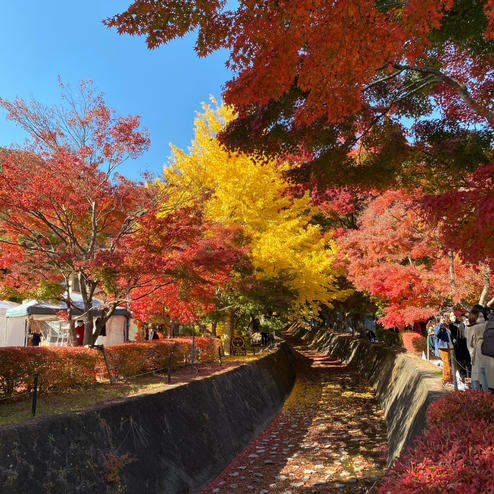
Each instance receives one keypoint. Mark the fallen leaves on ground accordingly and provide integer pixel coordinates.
(330, 437)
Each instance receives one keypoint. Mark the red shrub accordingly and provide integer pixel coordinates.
(58, 367)
(414, 342)
(456, 452)
(130, 359)
(64, 367)
(469, 405)
(127, 359)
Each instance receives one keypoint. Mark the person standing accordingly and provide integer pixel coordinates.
(79, 333)
(482, 366)
(370, 329)
(443, 339)
(460, 345)
(431, 339)
(35, 339)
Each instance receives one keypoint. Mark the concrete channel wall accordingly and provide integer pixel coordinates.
(405, 386)
(169, 442)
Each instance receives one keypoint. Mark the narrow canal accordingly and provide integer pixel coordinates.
(330, 437)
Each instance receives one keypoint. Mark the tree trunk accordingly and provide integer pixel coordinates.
(213, 329)
(87, 317)
(486, 272)
(227, 337)
(88, 326)
(72, 334)
(452, 277)
(70, 313)
(171, 328)
(101, 321)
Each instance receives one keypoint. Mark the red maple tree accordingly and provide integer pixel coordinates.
(65, 214)
(396, 254)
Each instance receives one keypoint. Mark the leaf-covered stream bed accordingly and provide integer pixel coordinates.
(330, 437)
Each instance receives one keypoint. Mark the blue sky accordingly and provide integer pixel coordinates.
(41, 40)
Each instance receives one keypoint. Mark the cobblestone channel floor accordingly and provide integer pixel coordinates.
(330, 437)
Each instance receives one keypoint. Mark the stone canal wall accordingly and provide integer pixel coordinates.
(168, 442)
(405, 386)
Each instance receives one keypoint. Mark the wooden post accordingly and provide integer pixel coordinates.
(35, 394)
(193, 347)
(170, 363)
(102, 348)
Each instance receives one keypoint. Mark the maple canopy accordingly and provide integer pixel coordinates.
(335, 77)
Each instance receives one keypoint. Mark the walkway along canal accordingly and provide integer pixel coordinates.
(330, 437)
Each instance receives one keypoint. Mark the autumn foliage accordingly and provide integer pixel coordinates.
(250, 193)
(465, 216)
(61, 368)
(398, 255)
(392, 98)
(454, 454)
(413, 342)
(331, 51)
(130, 359)
(351, 82)
(66, 214)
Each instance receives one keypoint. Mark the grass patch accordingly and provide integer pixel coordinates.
(76, 399)
(70, 400)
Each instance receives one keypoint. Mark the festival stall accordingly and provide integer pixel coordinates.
(44, 317)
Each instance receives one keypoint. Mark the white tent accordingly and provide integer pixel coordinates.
(12, 331)
(56, 331)
(116, 331)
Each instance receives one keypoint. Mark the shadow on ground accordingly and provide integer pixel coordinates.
(330, 437)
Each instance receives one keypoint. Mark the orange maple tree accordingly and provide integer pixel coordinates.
(335, 52)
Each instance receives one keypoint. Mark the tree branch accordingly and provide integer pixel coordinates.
(457, 86)
(383, 79)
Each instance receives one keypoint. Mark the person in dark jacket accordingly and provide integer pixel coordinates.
(459, 340)
(35, 339)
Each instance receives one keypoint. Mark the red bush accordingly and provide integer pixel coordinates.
(414, 342)
(64, 367)
(454, 455)
(58, 367)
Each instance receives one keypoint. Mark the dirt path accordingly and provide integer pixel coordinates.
(330, 437)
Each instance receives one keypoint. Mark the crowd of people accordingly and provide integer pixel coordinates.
(459, 342)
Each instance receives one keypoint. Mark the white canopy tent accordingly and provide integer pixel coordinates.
(55, 331)
(12, 331)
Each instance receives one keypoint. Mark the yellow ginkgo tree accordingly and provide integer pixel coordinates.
(251, 192)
